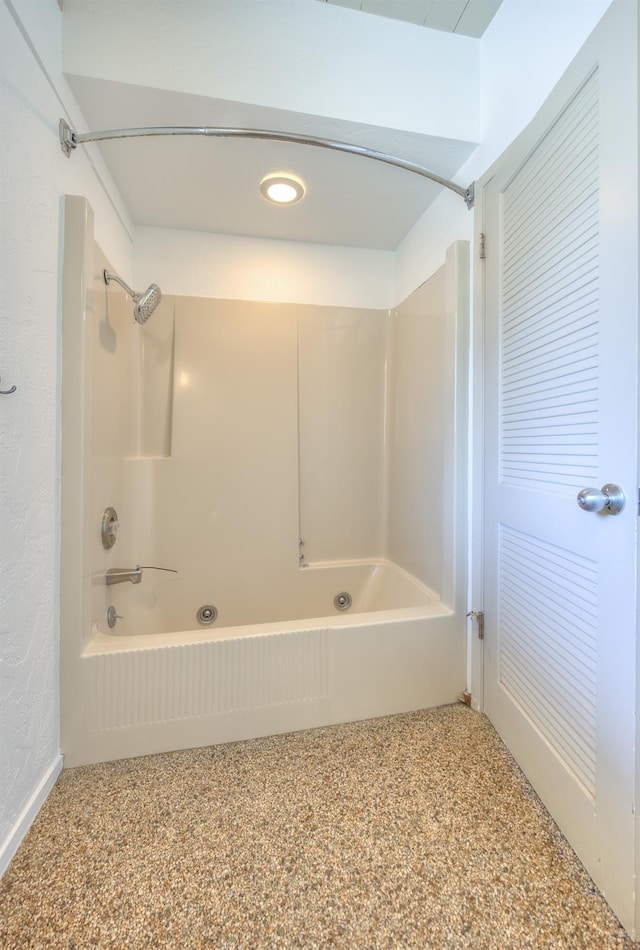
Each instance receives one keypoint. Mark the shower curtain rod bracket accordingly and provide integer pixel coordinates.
(69, 140)
(470, 195)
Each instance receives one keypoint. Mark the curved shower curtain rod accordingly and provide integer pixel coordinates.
(70, 140)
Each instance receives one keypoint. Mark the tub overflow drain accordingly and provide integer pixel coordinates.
(342, 601)
(207, 614)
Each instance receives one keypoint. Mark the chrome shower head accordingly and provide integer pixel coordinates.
(145, 303)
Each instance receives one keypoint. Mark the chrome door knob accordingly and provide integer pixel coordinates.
(610, 500)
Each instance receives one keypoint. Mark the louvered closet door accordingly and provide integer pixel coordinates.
(560, 217)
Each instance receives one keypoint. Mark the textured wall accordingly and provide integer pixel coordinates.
(33, 176)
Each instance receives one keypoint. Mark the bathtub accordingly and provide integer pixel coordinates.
(397, 648)
(165, 603)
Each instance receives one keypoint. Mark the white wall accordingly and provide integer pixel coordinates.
(420, 407)
(427, 430)
(268, 440)
(523, 53)
(285, 54)
(342, 356)
(34, 174)
(195, 264)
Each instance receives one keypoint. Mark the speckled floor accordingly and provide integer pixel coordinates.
(409, 831)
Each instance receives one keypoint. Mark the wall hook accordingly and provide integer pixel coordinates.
(7, 392)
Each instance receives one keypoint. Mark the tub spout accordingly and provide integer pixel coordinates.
(118, 575)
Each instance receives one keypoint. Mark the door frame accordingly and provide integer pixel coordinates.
(575, 73)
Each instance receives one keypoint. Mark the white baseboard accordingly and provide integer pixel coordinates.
(15, 837)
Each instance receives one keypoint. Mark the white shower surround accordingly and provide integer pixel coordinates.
(155, 684)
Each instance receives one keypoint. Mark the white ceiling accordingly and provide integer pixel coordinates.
(468, 17)
(201, 184)
(212, 185)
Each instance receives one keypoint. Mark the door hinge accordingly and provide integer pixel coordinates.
(478, 616)
(482, 247)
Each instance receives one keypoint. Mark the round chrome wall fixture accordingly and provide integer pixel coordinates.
(342, 601)
(207, 614)
(112, 617)
(109, 527)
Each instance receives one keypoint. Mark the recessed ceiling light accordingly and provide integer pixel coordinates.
(282, 188)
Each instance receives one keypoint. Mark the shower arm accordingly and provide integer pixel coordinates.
(69, 140)
(108, 277)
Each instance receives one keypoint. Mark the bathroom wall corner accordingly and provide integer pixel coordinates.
(28, 814)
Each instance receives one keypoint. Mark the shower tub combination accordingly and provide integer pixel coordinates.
(300, 637)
